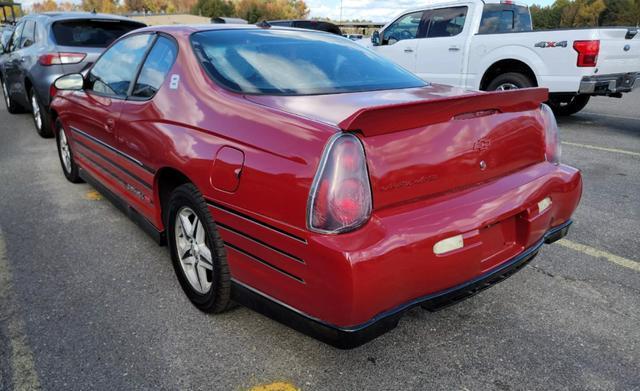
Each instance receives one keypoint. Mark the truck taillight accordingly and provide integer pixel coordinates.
(553, 149)
(587, 52)
(61, 58)
(340, 197)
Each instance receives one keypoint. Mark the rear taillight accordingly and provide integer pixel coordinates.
(553, 149)
(61, 58)
(587, 52)
(340, 197)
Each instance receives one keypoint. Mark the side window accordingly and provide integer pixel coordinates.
(28, 34)
(155, 68)
(447, 22)
(114, 71)
(501, 18)
(406, 27)
(15, 38)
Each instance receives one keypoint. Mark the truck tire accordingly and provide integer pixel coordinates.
(509, 81)
(569, 106)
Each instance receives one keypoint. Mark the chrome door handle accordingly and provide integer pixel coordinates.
(454, 49)
(408, 50)
(109, 125)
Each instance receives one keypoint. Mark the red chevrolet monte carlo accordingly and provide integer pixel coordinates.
(305, 177)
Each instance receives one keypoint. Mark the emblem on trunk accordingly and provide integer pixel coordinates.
(483, 165)
(482, 145)
(627, 48)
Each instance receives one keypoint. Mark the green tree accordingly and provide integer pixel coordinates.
(214, 8)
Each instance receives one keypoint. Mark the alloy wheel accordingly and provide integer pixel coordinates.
(35, 107)
(5, 91)
(507, 87)
(65, 152)
(193, 252)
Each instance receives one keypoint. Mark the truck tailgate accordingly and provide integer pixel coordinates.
(617, 53)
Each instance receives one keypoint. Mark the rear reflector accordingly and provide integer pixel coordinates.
(587, 52)
(544, 204)
(448, 244)
(61, 58)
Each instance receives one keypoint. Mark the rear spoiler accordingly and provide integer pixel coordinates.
(376, 120)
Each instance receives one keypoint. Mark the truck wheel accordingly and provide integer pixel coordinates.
(197, 251)
(569, 106)
(509, 81)
(40, 117)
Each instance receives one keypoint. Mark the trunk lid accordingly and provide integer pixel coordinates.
(429, 141)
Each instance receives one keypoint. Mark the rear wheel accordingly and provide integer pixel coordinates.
(40, 117)
(569, 105)
(197, 251)
(509, 81)
(12, 106)
(69, 167)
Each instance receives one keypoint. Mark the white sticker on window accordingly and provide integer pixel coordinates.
(175, 80)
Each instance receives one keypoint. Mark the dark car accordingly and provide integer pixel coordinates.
(308, 24)
(45, 46)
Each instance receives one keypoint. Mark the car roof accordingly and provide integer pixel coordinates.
(188, 29)
(57, 16)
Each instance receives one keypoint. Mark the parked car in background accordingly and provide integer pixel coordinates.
(353, 37)
(332, 197)
(45, 46)
(490, 45)
(308, 24)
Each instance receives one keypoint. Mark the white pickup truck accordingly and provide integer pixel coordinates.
(491, 45)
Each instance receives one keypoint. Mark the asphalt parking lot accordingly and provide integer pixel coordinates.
(88, 301)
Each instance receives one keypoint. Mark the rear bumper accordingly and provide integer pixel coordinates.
(354, 336)
(609, 84)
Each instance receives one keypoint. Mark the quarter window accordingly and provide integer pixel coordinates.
(113, 73)
(155, 68)
(447, 22)
(407, 27)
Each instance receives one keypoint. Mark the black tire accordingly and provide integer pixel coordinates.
(72, 173)
(510, 80)
(218, 297)
(569, 106)
(12, 106)
(44, 128)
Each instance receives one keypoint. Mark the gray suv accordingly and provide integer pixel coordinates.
(46, 46)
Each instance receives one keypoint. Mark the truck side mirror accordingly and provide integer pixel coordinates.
(375, 38)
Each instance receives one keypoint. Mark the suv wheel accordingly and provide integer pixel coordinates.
(12, 106)
(40, 117)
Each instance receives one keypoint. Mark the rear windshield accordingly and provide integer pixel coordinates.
(278, 62)
(505, 18)
(92, 33)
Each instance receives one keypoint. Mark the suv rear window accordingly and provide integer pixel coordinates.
(281, 62)
(91, 32)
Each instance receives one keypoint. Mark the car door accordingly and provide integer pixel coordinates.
(98, 106)
(136, 132)
(441, 52)
(399, 41)
(23, 60)
(11, 63)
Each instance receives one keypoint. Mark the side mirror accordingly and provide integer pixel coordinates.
(72, 82)
(375, 38)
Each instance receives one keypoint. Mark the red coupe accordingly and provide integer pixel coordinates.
(305, 177)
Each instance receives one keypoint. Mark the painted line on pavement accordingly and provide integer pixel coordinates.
(594, 252)
(23, 372)
(602, 148)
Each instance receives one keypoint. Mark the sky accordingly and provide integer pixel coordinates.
(374, 10)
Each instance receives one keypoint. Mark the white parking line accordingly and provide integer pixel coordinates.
(23, 372)
(622, 151)
(594, 252)
(611, 116)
